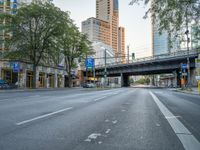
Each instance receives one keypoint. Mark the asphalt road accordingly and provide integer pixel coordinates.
(117, 119)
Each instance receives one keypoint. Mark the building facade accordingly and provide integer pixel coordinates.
(160, 43)
(97, 30)
(107, 10)
(195, 37)
(121, 45)
(19, 72)
(100, 49)
(105, 27)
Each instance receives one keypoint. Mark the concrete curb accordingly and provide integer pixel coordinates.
(186, 92)
(34, 90)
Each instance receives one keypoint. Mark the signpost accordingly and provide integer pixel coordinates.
(183, 66)
(15, 67)
(183, 74)
(89, 63)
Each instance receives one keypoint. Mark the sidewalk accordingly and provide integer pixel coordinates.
(194, 91)
(39, 89)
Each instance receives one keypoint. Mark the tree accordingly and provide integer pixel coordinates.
(173, 15)
(34, 30)
(73, 46)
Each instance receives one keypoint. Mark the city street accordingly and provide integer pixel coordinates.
(82, 119)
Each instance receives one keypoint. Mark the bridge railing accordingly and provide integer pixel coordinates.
(182, 52)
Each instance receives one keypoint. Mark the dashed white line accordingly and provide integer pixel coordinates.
(2, 100)
(92, 136)
(33, 96)
(114, 122)
(98, 99)
(107, 120)
(107, 131)
(43, 116)
(185, 136)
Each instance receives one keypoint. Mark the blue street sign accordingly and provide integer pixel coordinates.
(184, 66)
(16, 67)
(89, 63)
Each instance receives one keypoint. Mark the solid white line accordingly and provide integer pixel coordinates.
(43, 116)
(33, 96)
(100, 98)
(185, 136)
(2, 100)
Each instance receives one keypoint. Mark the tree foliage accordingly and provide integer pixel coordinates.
(74, 46)
(173, 15)
(43, 34)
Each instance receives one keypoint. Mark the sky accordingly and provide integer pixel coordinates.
(138, 30)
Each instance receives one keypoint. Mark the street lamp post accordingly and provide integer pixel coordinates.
(188, 49)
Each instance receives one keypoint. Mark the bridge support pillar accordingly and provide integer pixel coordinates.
(193, 78)
(124, 80)
(175, 82)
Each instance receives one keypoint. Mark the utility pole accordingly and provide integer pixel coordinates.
(105, 69)
(128, 53)
(86, 70)
(94, 74)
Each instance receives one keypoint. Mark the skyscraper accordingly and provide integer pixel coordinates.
(105, 27)
(159, 42)
(97, 30)
(121, 44)
(195, 36)
(108, 10)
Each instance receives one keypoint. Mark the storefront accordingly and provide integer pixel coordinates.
(41, 80)
(51, 80)
(29, 79)
(59, 81)
(22, 74)
(7, 72)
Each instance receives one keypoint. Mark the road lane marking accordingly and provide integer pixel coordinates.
(108, 131)
(107, 120)
(43, 116)
(33, 96)
(2, 100)
(172, 117)
(92, 137)
(185, 136)
(114, 122)
(98, 99)
(100, 142)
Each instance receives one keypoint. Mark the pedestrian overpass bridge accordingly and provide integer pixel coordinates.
(168, 63)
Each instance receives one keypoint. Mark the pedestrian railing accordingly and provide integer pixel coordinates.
(182, 52)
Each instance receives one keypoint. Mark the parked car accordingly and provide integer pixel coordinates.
(89, 85)
(5, 85)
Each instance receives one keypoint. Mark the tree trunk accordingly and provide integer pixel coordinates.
(34, 76)
(70, 80)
